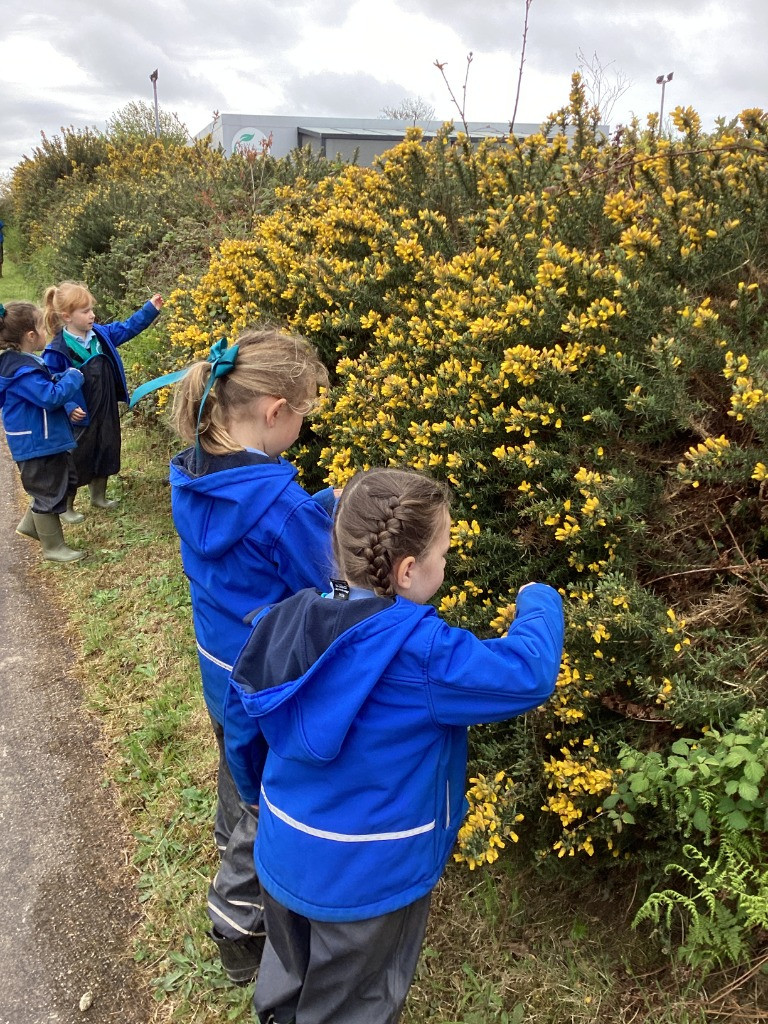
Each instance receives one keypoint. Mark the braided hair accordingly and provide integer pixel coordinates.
(384, 515)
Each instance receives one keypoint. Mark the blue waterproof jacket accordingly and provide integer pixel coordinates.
(58, 357)
(250, 536)
(347, 721)
(33, 401)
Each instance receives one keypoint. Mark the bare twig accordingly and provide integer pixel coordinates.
(748, 566)
(441, 65)
(737, 569)
(632, 900)
(727, 990)
(522, 61)
(464, 93)
(603, 92)
(411, 109)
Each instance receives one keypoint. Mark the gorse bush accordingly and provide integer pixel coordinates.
(570, 329)
(132, 214)
(36, 178)
(572, 333)
(112, 232)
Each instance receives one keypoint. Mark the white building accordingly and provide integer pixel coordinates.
(333, 136)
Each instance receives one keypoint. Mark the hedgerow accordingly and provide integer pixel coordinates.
(572, 335)
(131, 216)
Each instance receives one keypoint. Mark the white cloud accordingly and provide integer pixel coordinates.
(78, 63)
(24, 57)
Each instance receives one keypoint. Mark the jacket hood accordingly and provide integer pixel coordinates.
(57, 342)
(305, 650)
(13, 362)
(213, 511)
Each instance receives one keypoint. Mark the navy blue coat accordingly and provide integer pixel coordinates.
(250, 536)
(33, 403)
(347, 721)
(58, 358)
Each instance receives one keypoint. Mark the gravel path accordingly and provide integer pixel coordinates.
(67, 893)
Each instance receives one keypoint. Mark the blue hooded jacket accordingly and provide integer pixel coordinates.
(58, 358)
(250, 536)
(347, 720)
(32, 401)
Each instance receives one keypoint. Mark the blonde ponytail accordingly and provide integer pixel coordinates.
(269, 362)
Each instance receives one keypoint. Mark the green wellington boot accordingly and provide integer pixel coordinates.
(27, 525)
(71, 517)
(52, 539)
(98, 489)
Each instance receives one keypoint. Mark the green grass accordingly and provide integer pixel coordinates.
(14, 287)
(506, 946)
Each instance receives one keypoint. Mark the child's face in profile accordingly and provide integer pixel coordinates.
(286, 426)
(427, 572)
(40, 338)
(286, 430)
(79, 320)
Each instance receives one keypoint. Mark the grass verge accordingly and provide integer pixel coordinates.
(14, 287)
(505, 946)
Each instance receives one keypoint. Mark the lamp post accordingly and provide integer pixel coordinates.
(153, 80)
(662, 81)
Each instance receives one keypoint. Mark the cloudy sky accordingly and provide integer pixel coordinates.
(77, 62)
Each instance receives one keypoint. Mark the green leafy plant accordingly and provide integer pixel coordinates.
(724, 908)
(708, 787)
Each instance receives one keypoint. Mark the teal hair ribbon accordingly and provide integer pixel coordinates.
(154, 385)
(222, 360)
(217, 351)
(2, 310)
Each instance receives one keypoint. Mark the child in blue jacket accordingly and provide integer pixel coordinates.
(92, 348)
(346, 722)
(37, 427)
(250, 536)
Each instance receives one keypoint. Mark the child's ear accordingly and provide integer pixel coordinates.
(272, 410)
(402, 573)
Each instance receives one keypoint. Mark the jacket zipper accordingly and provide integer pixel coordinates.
(45, 424)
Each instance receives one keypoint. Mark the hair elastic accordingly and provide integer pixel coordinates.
(2, 311)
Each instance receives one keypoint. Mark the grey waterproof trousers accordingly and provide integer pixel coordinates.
(235, 904)
(352, 972)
